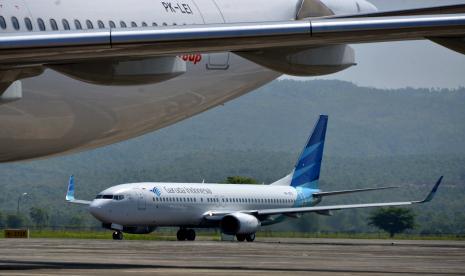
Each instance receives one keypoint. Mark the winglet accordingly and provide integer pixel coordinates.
(70, 192)
(433, 191)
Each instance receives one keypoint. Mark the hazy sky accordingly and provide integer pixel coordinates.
(401, 64)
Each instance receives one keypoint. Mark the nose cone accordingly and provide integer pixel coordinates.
(97, 209)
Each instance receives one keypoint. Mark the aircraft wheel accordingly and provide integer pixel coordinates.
(250, 238)
(190, 235)
(181, 235)
(240, 237)
(118, 235)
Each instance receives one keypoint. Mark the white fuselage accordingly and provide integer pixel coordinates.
(58, 114)
(186, 204)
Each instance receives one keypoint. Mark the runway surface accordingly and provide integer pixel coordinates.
(263, 257)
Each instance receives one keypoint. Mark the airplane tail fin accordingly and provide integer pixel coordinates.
(307, 170)
(70, 193)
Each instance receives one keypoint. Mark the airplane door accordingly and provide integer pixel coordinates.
(141, 204)
(211, 15)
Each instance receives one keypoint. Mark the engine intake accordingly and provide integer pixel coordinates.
(239, 223)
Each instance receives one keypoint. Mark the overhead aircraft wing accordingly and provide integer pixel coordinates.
(448, 9)
(39, 48)
(320, 209)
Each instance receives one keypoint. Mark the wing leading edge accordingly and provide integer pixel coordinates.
(69, 46)
(299, 210)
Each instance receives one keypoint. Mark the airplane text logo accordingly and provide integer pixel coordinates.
(156, 191)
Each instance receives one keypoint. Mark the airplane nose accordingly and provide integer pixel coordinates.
(97, 210)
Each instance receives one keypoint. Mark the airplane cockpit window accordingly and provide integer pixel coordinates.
(106, 197)
(2, 22)
(65, 24)
(41, 24)
(53, 24)
(118, 197)
(77, 24)
(28, 23)
(15, 22)
(89, 24)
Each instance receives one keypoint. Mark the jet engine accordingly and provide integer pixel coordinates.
(305, 62)
(239, 223)
(124, 72)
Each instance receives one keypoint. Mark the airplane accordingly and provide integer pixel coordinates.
(236, 209)
(78, 75)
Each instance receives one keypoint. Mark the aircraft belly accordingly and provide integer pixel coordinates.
(58, 115)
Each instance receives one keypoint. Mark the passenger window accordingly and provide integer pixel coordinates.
(122, 24)
(53, 24)
(144, 24)
(15, 22)
(28, 23)
(77, 24)
(100, 24)
(65, 24)
(2, 22)
(164, 24)
(41, 24)
(89, 24)
(133, 24)
(154, 24)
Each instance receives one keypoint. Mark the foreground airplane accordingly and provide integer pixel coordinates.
(238, 210)
(77, 75)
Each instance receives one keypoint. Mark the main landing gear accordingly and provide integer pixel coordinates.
(185, 234)
(243, 237)
(118, 235)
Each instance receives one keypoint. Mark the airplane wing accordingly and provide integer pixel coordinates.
(42, 48)
(321, 209)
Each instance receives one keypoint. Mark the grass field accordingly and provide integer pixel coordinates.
(209, 235)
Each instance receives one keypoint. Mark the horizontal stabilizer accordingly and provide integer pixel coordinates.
(322, 194)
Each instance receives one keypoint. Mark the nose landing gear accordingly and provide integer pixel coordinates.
(185, 234)
(118, 235)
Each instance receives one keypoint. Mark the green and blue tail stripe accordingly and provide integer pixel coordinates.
(307, 169)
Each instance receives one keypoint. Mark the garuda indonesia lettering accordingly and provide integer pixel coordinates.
(238, 210)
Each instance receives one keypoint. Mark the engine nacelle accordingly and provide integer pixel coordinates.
(239, 223)
(305, 62)
(138, 229)
(125, 72)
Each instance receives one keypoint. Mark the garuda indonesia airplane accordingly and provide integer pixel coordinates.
(77, 75)
(238, 210)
